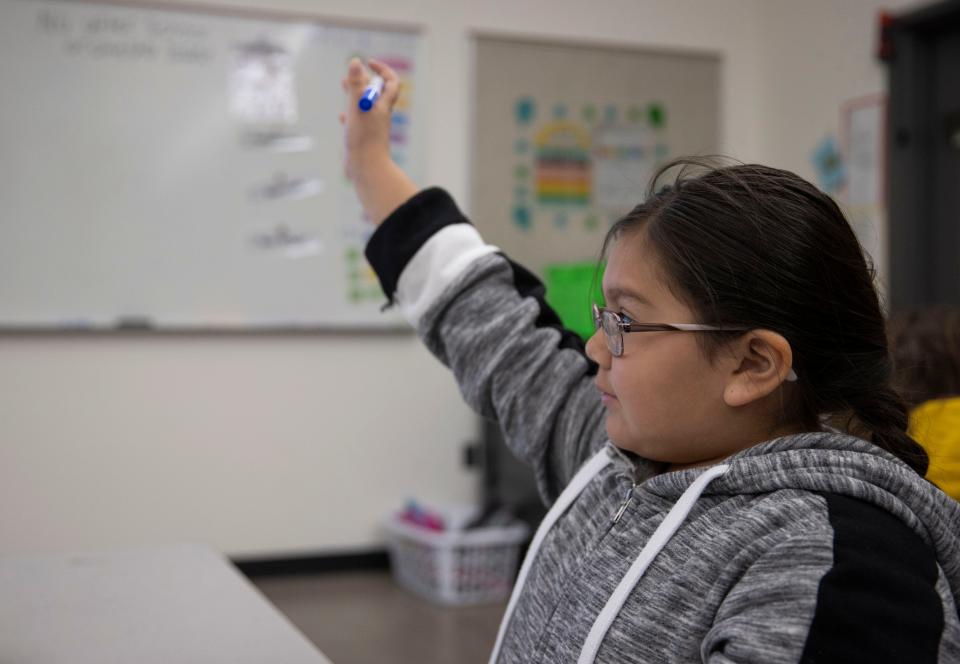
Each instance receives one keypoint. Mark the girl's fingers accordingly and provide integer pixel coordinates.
(383, 69)
(391, 82)
(343, 118)
(357, 77)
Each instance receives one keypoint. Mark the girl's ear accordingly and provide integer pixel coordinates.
(762, 361)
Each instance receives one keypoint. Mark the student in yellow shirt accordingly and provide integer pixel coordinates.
(926, 352)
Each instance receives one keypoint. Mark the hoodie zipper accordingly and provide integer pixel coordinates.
(626, 501)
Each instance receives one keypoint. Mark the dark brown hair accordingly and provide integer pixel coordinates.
(926, 352)
(755, 246)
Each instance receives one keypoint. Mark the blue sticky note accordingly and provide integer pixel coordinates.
(610, 114)
(525, 110)
(828, 164)
(521, 218)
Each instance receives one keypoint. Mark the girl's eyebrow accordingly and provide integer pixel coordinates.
(619, 293)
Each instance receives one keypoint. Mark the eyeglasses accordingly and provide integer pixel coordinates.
(614, 327)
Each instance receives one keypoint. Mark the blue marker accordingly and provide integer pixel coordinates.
(371, 94)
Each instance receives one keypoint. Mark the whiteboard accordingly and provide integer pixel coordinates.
(184, 169)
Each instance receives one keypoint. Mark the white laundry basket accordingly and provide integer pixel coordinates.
(456, 567)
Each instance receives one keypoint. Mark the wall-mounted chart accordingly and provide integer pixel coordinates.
(566, 139)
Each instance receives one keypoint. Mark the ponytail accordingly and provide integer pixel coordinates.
(880, 415)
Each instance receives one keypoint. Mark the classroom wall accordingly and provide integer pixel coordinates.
(819, 55)
(283, 445)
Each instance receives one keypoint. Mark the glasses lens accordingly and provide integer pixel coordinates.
(611, 329)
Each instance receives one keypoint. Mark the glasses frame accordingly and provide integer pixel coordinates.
(614, 334)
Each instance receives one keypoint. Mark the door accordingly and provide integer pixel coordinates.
(923, 55)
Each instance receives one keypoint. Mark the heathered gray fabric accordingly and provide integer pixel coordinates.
(739, 580)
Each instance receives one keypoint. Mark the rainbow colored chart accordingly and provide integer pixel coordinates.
(562, 164)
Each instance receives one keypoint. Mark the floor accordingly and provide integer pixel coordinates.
(364, 617)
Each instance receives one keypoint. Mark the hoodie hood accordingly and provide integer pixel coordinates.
(845, 465)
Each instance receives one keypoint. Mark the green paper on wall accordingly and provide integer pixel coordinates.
(571, 289)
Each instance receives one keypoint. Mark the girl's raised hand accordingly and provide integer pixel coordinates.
(368, 132)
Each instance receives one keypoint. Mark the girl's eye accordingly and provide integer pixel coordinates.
(625, 317)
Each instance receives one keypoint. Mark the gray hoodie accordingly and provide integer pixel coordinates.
(810, 548)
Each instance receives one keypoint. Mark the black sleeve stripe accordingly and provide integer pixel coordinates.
(878, 603)
(528, 285)
(407, 229)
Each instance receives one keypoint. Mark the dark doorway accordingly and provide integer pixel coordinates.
(923, 53)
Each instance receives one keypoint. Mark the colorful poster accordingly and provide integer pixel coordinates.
(581, 169)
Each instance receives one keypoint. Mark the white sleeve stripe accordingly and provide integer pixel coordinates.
(440, 260)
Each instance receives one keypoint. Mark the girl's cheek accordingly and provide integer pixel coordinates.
(619, 377)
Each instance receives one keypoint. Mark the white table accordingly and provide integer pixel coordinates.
(177, 605)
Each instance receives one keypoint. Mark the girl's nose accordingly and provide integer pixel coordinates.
(597, 349)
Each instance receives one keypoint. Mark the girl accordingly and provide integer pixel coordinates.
(701, 510)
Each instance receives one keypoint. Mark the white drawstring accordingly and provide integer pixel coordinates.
(671, 523)
(587, 472)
